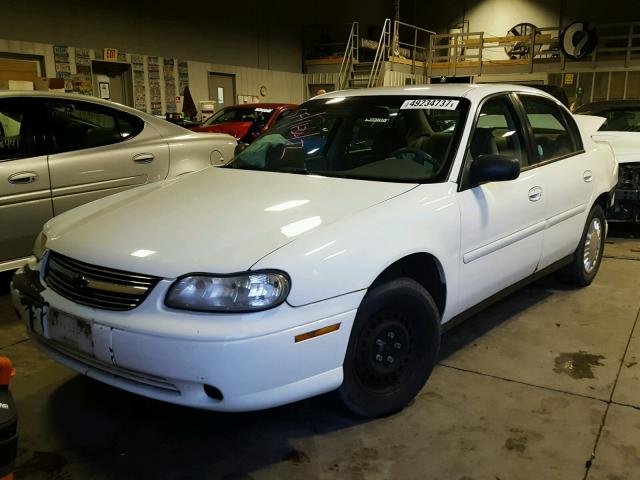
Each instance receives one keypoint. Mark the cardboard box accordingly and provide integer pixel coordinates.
(15, 85)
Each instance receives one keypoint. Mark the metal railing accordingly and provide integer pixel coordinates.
(411, 41)
(351, 53)
(382, 54)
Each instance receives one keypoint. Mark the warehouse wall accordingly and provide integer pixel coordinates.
(497, 16)
(223, 32)
(281, 86)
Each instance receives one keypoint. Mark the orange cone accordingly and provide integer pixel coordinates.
(8, 422)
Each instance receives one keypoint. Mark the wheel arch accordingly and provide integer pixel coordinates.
(425, 269)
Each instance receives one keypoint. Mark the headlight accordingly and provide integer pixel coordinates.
(39, 246)
(247, 292)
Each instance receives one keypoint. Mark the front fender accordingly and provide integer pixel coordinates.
(348, 255)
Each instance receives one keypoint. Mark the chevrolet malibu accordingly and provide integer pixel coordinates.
(330, 254)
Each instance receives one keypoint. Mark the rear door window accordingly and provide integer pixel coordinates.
(553, 137)
(19, 134)
(78, 125)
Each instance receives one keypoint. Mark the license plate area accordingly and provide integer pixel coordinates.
(70, 331)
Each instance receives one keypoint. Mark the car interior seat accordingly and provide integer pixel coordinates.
(483, 143)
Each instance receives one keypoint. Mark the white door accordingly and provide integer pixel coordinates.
(567, 172)
(100, 151)
(502, 223)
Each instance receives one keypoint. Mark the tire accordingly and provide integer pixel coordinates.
(392, 349)
(588, 256)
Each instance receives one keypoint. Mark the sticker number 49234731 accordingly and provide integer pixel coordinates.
(430, 103)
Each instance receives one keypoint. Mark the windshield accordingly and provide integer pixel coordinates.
(385, 138)
(260, 115)
(619, 119)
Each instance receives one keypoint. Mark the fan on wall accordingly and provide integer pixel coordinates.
(522, 48)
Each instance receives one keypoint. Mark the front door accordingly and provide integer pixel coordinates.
(502, 222)
(99, 151)
(222, 90)
(25, 194)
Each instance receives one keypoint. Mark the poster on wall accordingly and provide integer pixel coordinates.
(139, 89)
(153, 70)
(183, 76)
(62, 65)
(81, 82)
(83, 57)
(170, 84)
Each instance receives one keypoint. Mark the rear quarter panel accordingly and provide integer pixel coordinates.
(195, 151)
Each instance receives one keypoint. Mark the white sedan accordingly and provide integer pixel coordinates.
(329, 254)
(58, 151)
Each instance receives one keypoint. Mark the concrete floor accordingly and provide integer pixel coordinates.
(543, 385)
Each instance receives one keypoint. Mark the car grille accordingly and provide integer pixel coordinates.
(629, 176)
(95, 286)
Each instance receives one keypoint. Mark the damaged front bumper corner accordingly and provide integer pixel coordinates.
(26, 290)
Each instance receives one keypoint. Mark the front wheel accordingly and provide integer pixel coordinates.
(588, 256)
(392, 349)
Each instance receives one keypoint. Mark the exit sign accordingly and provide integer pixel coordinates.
(110, 54)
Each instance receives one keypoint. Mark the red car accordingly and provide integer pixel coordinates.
(246, 121)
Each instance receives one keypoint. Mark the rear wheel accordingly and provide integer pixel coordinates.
(588, 256)
(392, 349)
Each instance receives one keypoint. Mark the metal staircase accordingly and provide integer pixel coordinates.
(350, 58)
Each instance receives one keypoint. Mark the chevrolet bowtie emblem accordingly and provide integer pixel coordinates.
(80, 281)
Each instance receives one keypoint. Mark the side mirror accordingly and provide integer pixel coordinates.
(493, 168)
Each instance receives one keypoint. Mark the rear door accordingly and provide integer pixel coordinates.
(25, 195)
(502, 223)
(98, 151)
(560, 159)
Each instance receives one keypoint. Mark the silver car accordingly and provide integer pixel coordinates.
(58, 151)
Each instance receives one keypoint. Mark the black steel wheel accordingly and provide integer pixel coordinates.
(392, 349)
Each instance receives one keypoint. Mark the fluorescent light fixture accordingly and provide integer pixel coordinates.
(142, 253)
(286, 205)
(411, 89)
(301, 226)
(335, 100)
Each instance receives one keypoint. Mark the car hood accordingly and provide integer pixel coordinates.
(626, 145)
(217, 220)
(236, 129)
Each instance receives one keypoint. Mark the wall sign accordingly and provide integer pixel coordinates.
(110, 55)
(578, 40)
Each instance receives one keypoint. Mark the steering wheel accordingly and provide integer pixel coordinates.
(419, 156)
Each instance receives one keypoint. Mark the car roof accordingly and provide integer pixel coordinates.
(261, 105)
(473, 92)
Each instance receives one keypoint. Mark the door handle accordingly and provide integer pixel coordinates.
(143, 158)
(22, 178)
(535, 194)
(587, 176)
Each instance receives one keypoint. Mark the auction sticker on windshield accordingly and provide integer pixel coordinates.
(430, 103)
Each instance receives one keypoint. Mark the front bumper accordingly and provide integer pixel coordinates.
(626, 206)
(252, 359)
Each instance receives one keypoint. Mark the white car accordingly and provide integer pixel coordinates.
(329, 254)
(58, 151)
(621, 130)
